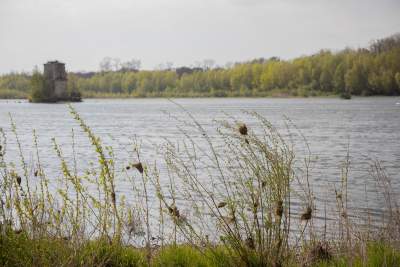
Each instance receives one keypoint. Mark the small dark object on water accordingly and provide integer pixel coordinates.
(19, 180)
(128, 167)
(279, 208)
(243, 129)
(306, 215)
(138, 166)
(345, 95)
(221, 204)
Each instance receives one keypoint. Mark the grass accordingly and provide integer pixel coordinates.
(19, 250)
(277, 93)
(12, 94)
(377, 254)
(180, 256)
(239, 191)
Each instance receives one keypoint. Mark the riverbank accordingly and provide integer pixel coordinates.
(217, 94)
(13, 94)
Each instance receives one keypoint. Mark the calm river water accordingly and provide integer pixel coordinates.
(368, 127)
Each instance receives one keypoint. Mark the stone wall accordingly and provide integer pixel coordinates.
(56, 78)
(60, 88)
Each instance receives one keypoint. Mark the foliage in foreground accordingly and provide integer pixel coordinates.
(19, 250)
(239, 188)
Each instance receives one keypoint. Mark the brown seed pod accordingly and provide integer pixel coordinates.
(243, 129)
(256, 203)
(221, 204)
(174, 211)
(250, 243)
(279, 208)
(138, 166)
(307, 214)
(228, 219)
(19, 180)
(18, 231)
(319, 252)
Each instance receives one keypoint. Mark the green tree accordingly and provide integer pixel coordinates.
(325, 81)
(338, 78)
(397, 77)
(38, 87)
(73, 88)
(355, 80)
(369, 71)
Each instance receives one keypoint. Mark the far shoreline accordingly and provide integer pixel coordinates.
(203, 97)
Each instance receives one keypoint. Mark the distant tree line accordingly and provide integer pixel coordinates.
(374, 70)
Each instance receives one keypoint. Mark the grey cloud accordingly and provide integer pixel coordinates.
(183, 31)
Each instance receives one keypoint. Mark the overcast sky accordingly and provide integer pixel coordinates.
(82, 32)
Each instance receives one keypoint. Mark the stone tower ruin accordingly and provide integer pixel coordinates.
(56, 78)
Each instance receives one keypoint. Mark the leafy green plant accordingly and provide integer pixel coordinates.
(237, 184)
